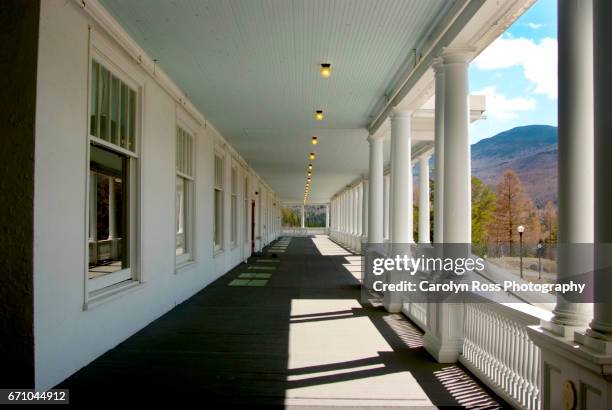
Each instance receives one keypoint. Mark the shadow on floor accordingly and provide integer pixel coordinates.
(304, 339)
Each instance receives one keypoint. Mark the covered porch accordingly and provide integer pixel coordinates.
(160, 143)
(297, 336)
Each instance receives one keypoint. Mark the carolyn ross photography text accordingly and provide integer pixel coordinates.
(475, 286)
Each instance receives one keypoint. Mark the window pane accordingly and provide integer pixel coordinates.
(234, 218)
(104, 103)
(115, 98)
(132, 122)
(124, 117)
(181, 241)
(108, 241)
(218, 218)
(93, 125)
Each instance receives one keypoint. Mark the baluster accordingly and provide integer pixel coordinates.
(523, 365)
(517, 362)
(466, 332)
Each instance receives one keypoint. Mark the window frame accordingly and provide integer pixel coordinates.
(189, 197)
(218, 247)
(233, 205)
(246, 208)
(105, 56)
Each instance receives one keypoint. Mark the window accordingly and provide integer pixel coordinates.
(184, 195)
(246, 209)
(234, 206)
(218, 225)
(113, 155)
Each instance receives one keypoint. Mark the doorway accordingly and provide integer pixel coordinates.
(252, 228)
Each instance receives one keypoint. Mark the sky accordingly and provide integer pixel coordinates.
(518, 74)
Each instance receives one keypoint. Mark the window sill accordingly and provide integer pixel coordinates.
(184, 265)
(110, 293)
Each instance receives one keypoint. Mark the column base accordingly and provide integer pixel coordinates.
(391, 304)
(443, 352)
(595, 341)
(564, 331)
(575, 373)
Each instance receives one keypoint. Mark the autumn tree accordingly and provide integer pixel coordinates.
(550, 223)
(513, 208)
(483, 206)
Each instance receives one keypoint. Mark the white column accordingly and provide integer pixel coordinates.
(349, 211)
(365, 211)
(444, 337)
(401, 201)
(353, 211)
(342, 214)
(303, 221)
(576, 153)
(358, 210)
(424, 214)
(337, 218)
(326, 216)
(375, 182)
(343, 211)
(601, 326)
(335, 214)
(401, 168)
(457, 173)
(439, 152)
(386, 195)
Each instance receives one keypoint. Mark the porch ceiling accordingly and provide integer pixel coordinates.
(251, 66)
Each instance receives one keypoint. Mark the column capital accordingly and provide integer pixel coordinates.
(375, 137)
(455, 55)
(397, 113)
(438, 66)
(425, 156)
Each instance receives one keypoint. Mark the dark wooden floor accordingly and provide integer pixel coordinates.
(303, 339)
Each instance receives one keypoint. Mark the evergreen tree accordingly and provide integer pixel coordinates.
(550, 224)
(483, 206)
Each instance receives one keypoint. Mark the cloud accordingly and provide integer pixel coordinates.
(535, 26)
(538, 61)
(502, 108)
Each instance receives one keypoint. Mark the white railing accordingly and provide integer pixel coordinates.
(298, 231)
(348, 240)
(497, 349)
(417, 312)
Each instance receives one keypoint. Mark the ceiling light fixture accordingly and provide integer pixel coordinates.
(319, 115)
(325, 70)
(312, 155)
(314, 140)
(310, 167)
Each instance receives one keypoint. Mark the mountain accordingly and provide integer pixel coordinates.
(531, 151)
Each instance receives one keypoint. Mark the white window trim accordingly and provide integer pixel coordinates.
(218, 248)
(107, 287)
(234, 197)
(247, 206)
(187, 258)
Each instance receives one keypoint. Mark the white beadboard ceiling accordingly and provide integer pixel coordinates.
(251, 67)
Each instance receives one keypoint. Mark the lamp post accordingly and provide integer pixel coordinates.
(521, 229)
(540, 251)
